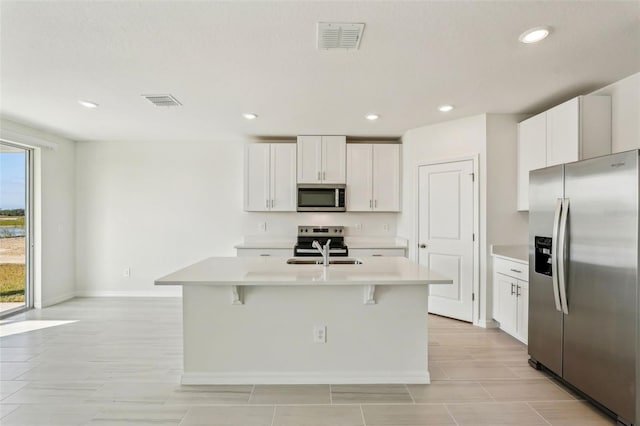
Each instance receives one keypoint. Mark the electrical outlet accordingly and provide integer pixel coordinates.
(358, 227)
(126, 272)
(320, 334)
(385, 227)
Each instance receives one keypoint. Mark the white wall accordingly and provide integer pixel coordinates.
(625, 114)
(55, 213)
(493, 139)
(505, 225)
(157, 207)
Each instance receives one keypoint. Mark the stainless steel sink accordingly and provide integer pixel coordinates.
(294, 261)
(334, 261)
(345, 261)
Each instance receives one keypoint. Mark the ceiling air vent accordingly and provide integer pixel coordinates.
(336, 35)
(162, 100)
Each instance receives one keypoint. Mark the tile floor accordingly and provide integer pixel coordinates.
(119, 362)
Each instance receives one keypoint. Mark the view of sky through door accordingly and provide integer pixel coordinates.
(13, 199)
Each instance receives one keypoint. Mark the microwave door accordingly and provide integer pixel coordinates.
(319, 199)
(316, 198)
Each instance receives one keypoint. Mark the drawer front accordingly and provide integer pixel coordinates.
(376, 252)
(265, 252)
(512, 269)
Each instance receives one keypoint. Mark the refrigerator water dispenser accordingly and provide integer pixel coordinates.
(543, 255)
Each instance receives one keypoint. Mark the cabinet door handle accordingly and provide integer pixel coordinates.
(324, 175)
(512, 291)
(319, 176)
(375, 204)
(370, 204)
(518, 291)
(273, 203)
(267, 203)
(515, 270)
(422, 245)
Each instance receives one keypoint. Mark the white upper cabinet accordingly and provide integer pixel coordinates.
(386, 177)
(283, 177)
(532, 153)
(359, 177)
(321, 159)
(309, 159)
(257, 177)
(270, 177)
(373, 177)
(563, 133)
(574, 130)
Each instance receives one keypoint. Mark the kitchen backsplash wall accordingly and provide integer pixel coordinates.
(285, 224)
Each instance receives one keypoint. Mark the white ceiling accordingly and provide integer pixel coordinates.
(220, 59)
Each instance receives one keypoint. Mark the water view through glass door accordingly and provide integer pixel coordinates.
(14, 241)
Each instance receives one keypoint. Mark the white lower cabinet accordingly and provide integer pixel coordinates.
(511, 297)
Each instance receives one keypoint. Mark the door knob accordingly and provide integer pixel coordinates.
(422, 245)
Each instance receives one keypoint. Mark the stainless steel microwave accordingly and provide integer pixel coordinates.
(321, 197)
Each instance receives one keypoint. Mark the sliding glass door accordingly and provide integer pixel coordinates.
(15, 229)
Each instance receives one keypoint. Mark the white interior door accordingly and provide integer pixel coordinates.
(445, 234)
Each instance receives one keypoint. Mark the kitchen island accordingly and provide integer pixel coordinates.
(253, 320)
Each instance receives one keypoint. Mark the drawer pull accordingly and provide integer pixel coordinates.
(515, 270)
(264, 254)
(376, 255)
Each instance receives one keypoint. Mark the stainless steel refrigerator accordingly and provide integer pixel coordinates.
(583, 278)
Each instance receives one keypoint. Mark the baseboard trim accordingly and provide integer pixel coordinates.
(57, 299)
(306, 377)
(488, 324)
(173, 292)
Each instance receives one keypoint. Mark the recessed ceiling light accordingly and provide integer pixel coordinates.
(372, 117)
(445, 108)
(534, 35)
(250, 115)
(88, 104)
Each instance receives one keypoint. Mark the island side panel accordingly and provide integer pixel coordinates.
(269, 339)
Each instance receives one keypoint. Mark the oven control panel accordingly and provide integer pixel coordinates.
(320, 231)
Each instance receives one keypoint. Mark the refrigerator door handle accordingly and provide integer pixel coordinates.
(554, 255)
(562, 281)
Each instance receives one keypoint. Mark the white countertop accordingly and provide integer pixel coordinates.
(261, 271)
(519, 253)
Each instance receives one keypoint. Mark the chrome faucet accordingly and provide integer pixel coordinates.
(324, 251)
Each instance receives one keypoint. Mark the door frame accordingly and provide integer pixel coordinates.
(29, 213)
(475, 314)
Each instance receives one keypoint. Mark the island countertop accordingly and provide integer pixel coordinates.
(264, 271)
